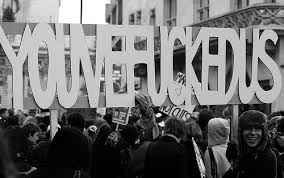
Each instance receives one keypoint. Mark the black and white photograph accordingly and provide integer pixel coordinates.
(141, 88)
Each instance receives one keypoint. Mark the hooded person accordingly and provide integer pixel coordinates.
(215, 159)
(256, 158)
(278, 140)
(149, 131)
(68, 156)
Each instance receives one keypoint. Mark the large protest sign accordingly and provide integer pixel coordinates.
(58, 95)
(53, 36)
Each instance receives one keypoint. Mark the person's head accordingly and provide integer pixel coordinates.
(4, 112)
(69, 149)
(203, 118)
(116, 113)
(32, 131)
(218, 131)
(76, 120)
(192, 129)
(130, 134)
(103, 131)
(227, 113)
(12, 121)
(175, 126)
(252, 131)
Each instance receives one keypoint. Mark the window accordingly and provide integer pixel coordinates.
(239, 4)
(242, 3)
(131, 19)
(153, 17)
(138, 18)
(113, 16)
(170, 12)
(203, 10)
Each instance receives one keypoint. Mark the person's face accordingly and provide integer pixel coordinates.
(252, 136)
(6, 114)
(116, 114)
(34, 138)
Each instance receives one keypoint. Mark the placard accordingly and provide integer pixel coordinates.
(121, 115)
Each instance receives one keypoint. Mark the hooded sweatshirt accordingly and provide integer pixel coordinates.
(218, 136)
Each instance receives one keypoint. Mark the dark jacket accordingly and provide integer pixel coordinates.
(68, 153)
(260, 165)
(165, 159)
(192, 170)
(106, 160)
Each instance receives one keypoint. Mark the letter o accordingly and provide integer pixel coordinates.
(42, 33)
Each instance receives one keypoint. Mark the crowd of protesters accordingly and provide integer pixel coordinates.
(199, 147)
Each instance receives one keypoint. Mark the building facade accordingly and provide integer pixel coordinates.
(23, 11)
(210, 13)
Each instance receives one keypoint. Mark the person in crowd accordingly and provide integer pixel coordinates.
(165, 158)
(7, 169)
(203, 118)
(108, 118)
(32, 131)
(193, 153)
(103, 156)
(255, 156)
(148, 129)
(129, 135)
(4, 114)
(11, 121)
(68, 156)
(76, 120)
(18, 146)
(278, 140)
(215, 159)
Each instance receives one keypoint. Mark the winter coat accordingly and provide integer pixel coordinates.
(218, 136)
(260, 165)
(68, 153)
(136, 164)
(193, 170)
(165, 159)
(278, 143)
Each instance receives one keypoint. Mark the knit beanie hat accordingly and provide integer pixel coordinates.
(203, 118)
(255, 119)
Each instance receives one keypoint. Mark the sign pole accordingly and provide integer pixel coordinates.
(117, 125)
(234, 123)
(53, 122)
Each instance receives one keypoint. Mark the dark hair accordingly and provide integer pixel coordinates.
(6, 165)
(175, 126)
(76, 120)
(31, 129)
(130, 134)
(203, 118)
(12, 121)
(2, 111)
